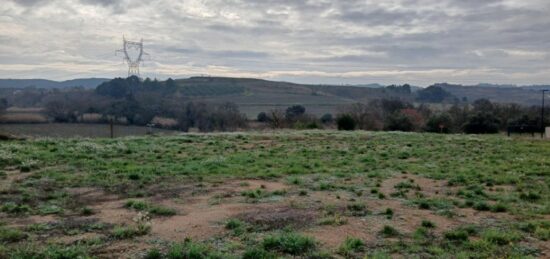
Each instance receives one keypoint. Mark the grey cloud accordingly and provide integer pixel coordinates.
(246, 36)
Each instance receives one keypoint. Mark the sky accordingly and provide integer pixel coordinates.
(419, 42)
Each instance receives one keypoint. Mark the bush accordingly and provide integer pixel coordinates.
(482, 123)
(398, 122)
(262, 117)
(440, 123)
(290, 243)
(326, 118)
(346, 122)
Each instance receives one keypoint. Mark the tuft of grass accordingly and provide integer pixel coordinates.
(10, 235)
(482, 206)
(86, 211)
(153, 209)
(388, 213)
(258, 253)
(290, 243)
(357, 209)
(457, 235)
(137, 205)
(427, 224)
(13, 208)
(351, 246)
(499, 207)
(126, 232)
(500, 237)
(162, 211)
(389, 231)
(153, 254)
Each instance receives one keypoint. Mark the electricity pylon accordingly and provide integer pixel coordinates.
(133, 62)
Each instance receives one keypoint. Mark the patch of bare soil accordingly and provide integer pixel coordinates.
(11, 176)
(124, 249)
(201, 219)
(90, 195)
(33, 219)
(279, 218)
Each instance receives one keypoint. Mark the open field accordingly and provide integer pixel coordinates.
(67, 130)
(310, 194)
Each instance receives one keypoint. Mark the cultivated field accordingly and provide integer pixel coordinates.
(311, 194)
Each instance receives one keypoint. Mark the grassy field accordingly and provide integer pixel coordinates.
(305, 194)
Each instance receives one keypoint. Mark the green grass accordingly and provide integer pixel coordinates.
(495, 175)
(351, 246)
(153, 209)
(290, 243)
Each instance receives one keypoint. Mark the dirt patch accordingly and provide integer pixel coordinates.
(279, 218)
(124, 249)
(33, 219)
(89, 195)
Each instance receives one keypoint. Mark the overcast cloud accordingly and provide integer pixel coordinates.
(324, 41)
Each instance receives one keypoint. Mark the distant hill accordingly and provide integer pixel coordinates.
(50, 84)
(526, 95)
(256, 95)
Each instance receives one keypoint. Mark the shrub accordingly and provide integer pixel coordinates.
(262, 117)
(440, 123)
(346, 122)
(290, 243)
(398, 122)
(482, 123)
(326, 118)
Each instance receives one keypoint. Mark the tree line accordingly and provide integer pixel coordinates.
(134, 101)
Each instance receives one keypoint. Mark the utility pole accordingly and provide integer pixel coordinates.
(542, 114)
